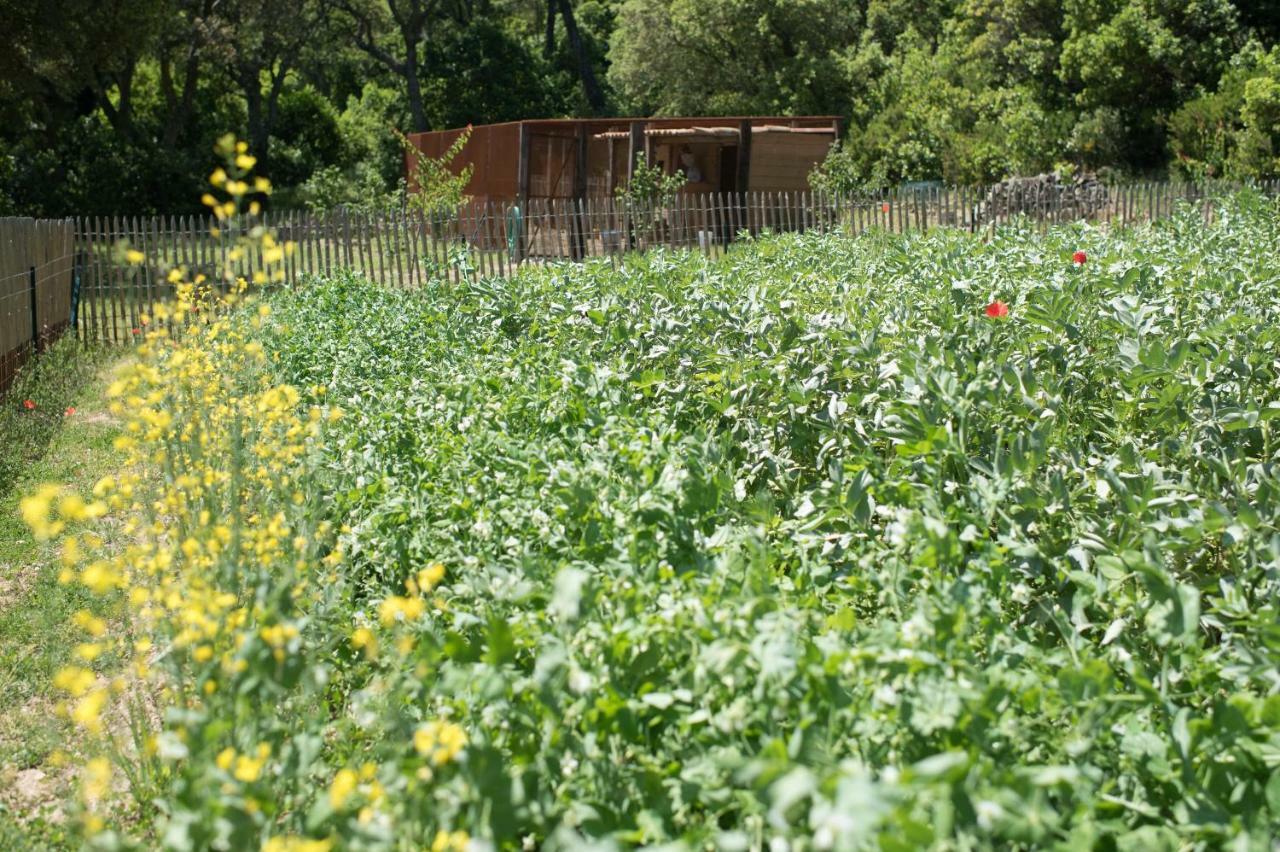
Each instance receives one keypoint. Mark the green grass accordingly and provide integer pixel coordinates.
(51, 382)
(36, 633)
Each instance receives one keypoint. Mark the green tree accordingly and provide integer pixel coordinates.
(1233, 131)
(1140, 59)
(700, 57)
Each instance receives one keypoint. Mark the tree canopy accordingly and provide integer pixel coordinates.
(112, 106)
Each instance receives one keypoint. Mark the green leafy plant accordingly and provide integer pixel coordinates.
(896, 541)
(437, 190)
(646, 195)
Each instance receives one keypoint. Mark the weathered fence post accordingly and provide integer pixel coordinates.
(35, 313)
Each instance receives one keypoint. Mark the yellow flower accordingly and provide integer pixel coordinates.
(88, 651)
(35, 511)
(247, 769)
(89, 623)
(89, 708)
(363, 638)
(225, 758)
(246, 161)
(344, 784)
(97, 778)
(289, 843)
(134, 256)
(397, 608)
(450, 841)
(439, 741)
(431, 575)
(74, 680)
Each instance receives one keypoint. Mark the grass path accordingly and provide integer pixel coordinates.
(36, 633)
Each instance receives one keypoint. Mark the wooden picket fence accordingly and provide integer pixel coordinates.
(406, 248)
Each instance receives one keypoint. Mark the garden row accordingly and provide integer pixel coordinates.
(885, 542)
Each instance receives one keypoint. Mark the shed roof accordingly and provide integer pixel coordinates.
(665, 125)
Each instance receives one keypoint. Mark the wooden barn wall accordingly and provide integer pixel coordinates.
(493, 149)
(552, 161)
(781, 162)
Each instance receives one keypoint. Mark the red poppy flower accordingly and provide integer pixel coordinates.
(997, 309)
(884, 208)
(1079, 258)
(71, 409)
(28, 405)
(137, 331)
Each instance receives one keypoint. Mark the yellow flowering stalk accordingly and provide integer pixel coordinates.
(238, 613)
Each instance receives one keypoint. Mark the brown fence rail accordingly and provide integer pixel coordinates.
(409, 249)
(36, 283)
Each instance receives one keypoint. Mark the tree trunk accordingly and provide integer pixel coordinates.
(549, 44)
(417, 114)
(251, 83)
(590, 86)
(178, 108)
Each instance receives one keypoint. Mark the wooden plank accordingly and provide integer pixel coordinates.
(493, 234)
(635, 147)
(420, 242)
(432, 230)
(76, 260)
(475, 241)
(287, 263)
(442, 228)
(344, 236)
(409, 246)
(149, 233)
(90, 294)
(564, 225)
(124, 289)
(306, 243)
(364, 244)
(322, 242)
(79, 260)
(400, 245)
(522, 165)
(717, 222)
(377, 260)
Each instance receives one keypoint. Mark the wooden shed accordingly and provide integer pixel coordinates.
(591, 157)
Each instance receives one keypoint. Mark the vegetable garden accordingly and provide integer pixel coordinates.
(895, 541)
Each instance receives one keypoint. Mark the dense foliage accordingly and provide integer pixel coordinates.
(111, 107)
(884, 542)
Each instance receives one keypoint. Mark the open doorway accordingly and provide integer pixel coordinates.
(729, 168)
